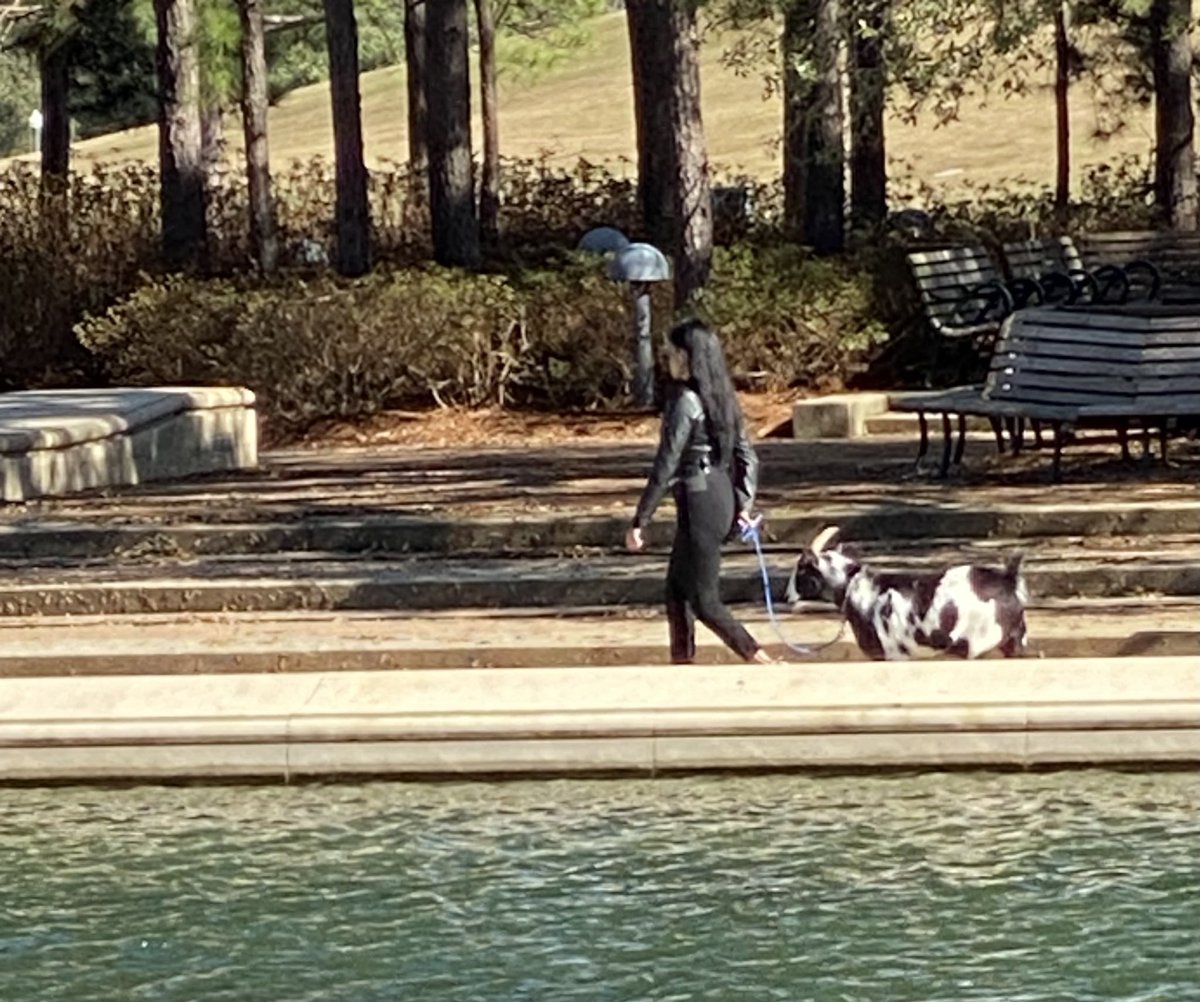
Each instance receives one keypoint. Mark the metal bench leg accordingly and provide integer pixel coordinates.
(1162, 441)
(1037, 433)
(962, 439)
(923, 446)
(998, 431)
(1059, 439)
(947, 438)
(1145, 440)
(1123, 438)
(1018, 435)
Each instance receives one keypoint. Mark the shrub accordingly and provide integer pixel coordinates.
(789, 319)
(314, 349)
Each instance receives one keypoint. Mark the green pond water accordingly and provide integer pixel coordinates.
(1055, 887)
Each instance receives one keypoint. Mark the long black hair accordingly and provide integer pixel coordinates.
(712, 382)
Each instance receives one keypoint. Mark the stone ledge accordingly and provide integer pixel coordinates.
(840, 415)
(642, 719)
(58, 442)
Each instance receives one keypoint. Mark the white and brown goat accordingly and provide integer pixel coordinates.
(966, 610)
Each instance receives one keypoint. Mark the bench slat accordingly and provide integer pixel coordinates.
(1119, 385)
(1086, 366)
(1173, 384)
(1061, 397)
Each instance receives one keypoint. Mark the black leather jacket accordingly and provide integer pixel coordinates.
(684, 449)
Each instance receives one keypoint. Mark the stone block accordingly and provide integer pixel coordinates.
(841, 415)
(58, 442)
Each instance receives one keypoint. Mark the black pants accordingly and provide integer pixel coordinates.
(704, 505)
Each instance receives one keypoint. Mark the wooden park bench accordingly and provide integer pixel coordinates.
(1111, 367)
(1172, 255)
(963, 299)
(1055, 268)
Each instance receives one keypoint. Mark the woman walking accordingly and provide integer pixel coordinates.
(705, 458)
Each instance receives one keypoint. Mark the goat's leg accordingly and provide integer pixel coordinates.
(1014, 644)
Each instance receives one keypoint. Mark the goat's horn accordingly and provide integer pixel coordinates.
(824, 538)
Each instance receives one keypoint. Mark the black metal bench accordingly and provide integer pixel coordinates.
(1053, 270)
(1166, 263)
(1117, 368)
(963, 297)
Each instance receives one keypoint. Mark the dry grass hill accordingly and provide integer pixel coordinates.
(583, 108)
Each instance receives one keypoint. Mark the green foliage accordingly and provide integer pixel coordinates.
(296, 56)
(546, 329)
(314, 349)
(220, 53)
(789, 319)
(319, 348)
(534, 36)
(1117, 195)
(62, 260)
(19, 95)
(113, 80)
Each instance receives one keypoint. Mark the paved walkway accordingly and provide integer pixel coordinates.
(281, 693)
(604, 477)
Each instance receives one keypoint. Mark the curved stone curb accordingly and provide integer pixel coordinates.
(624, 719)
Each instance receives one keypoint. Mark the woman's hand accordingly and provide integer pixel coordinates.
(634, 540)
(745, 520)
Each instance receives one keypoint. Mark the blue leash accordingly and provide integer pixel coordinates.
(751, 534)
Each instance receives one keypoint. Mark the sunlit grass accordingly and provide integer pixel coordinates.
(583, 108)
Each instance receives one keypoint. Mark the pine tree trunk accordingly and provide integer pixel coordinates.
(489, 183)
(264, 239)
(1062, 110)
(353, 218)
(184, 231)
(414, 58)
(796, 96)
(676, 193)
(1175, 167)
(649, 46)
(691, 189)
(56, 123)
(448, 91)
(868, 93)
(825, 184)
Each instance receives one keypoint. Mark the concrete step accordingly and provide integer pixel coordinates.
(906, 423)
(330, 581)
(299, 642)
(549, 532)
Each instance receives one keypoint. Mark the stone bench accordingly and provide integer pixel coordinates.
(57, 442)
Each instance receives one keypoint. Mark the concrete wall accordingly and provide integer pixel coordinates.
(616, 719)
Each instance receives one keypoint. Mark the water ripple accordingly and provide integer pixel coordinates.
(935, 888)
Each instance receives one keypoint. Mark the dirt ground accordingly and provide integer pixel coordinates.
(768, 415)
